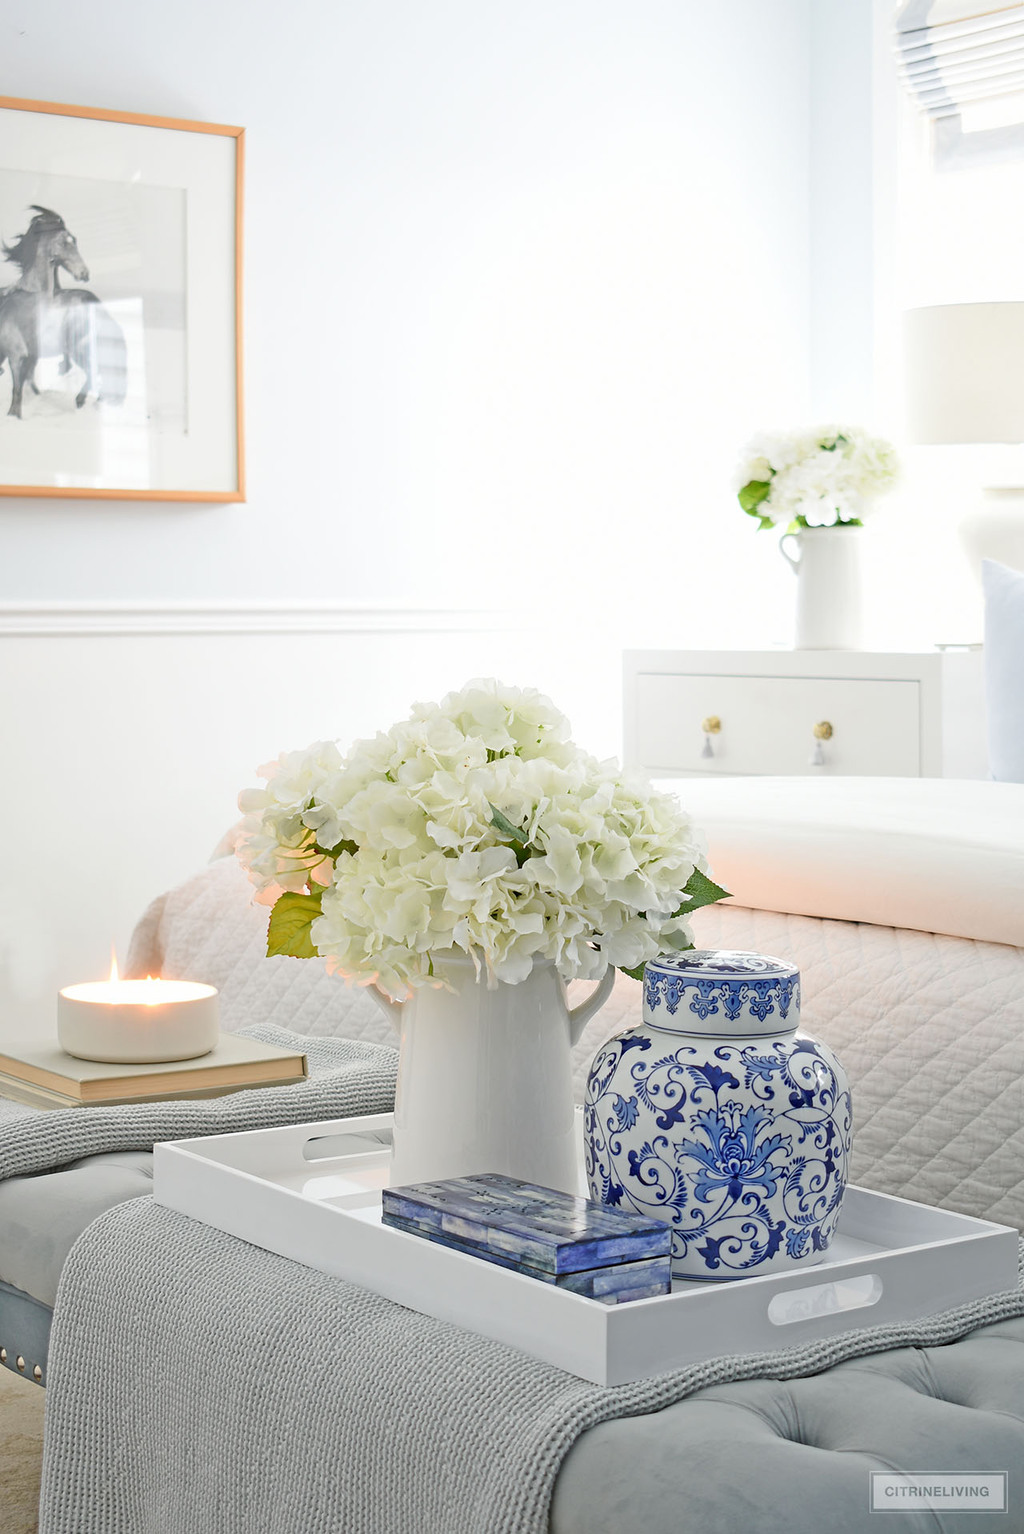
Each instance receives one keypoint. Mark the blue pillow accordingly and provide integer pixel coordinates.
(1004, 669)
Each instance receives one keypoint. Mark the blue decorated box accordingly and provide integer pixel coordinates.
(607, 1254)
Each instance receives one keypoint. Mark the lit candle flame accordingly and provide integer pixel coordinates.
(114, 974)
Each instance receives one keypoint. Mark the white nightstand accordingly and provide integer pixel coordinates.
(708, 712)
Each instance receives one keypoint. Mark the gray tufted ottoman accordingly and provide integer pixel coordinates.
(41, 1217)
(795, 1457)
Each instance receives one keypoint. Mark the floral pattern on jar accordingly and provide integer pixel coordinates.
(718, 1116)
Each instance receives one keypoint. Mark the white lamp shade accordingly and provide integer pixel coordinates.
(965, 373)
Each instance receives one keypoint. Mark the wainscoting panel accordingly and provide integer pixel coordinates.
(128, 731)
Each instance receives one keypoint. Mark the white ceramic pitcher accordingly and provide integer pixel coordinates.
(828, 601)
(485, 1076)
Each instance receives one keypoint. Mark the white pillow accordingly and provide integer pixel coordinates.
(1004, 670)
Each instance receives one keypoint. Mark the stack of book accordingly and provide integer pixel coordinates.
(43, 1076)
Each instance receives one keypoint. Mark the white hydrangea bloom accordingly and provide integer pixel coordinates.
(401, 836)
(277, 835)
(826, 475)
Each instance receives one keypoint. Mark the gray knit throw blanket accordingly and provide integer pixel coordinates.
(198, 1385)
(346, 1077)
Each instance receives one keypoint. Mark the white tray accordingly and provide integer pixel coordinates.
(312, 1192)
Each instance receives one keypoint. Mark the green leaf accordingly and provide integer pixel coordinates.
(335, 851)
(500, 822)
(702, 891)
(753, 493)
(504, 825)
(290, 920)
(634, 974)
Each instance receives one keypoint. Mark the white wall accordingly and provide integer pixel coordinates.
(521, 279)
(842, 210)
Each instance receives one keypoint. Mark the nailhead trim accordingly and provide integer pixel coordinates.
(37, 1373)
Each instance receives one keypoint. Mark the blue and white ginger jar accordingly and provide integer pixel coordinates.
(718, 1116)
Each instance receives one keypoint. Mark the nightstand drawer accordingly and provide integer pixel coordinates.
(767, 724)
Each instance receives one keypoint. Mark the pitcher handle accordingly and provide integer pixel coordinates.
(579, 1016)
(794, 564)
(392, 1009)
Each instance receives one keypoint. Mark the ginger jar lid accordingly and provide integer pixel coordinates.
(719, 991)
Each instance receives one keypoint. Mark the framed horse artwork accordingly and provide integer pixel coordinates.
(120, 305)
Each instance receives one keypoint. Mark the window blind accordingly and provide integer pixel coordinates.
(953, 53)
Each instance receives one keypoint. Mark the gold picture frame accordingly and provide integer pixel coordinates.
(131, 388)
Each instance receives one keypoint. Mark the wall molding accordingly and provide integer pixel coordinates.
(19, 620)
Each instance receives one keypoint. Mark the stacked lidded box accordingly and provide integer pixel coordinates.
(591, 1249)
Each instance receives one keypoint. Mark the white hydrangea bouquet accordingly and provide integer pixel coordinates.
(826, 476)
(474, 826)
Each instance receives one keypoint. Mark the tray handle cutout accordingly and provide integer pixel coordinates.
(353, 1143)
(824, 1299)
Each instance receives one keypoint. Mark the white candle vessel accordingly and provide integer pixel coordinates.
(137, 1022)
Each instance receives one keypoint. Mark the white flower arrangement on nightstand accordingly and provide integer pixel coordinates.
(825, 476)
(820, 483)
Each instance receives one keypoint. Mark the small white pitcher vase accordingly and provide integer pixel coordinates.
(485, 1076)
(828, 598)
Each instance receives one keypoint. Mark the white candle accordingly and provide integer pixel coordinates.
(137, 1022)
